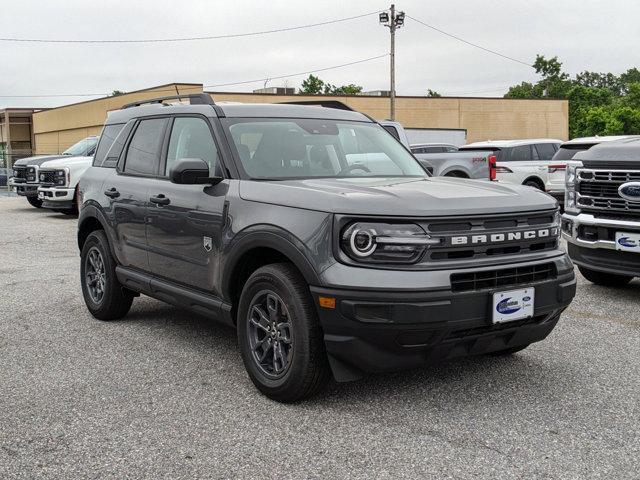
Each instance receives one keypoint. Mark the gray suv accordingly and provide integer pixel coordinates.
(318, 237)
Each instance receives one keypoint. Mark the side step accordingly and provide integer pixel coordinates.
(178, 295)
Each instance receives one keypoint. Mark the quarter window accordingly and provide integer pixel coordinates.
(107, 137)
(143, 154)
(545, 150)
(191, 138)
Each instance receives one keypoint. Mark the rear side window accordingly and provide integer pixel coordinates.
(520, 154)
(107, 137)
(434, 150)
(143, 154)
(545, 150)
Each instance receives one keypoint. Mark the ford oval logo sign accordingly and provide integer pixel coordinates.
(630, 191)
(508, 306)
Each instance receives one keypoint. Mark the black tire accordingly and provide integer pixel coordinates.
(115, 301)
(34, 201)
(509, 351)
(605, 279)
(533, 183)
(306, 370)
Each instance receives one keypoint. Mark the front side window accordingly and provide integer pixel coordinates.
(301, 148)
(191, 138)
(143, 154)
(85, 147)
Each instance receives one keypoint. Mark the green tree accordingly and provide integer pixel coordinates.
(315, 85)
(115, 93)
(312, 85)
(433, 94)
(599, 103)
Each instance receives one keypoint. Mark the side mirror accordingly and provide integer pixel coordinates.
(192, 171)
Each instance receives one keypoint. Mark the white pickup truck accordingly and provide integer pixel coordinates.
(58, 181)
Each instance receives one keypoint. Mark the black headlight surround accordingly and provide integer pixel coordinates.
(379, 242)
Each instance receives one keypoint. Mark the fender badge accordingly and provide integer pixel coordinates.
(207, 243)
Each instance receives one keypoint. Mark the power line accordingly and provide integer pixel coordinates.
(188, 39)
(470, 43)
(296, 74)
(244, 82)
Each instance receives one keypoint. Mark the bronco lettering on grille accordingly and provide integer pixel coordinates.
(503, 237)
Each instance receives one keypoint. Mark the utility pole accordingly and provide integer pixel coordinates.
(394, 21)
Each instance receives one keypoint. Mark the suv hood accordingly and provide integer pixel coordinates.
(68, 161)
(39, 160)
(430, 196)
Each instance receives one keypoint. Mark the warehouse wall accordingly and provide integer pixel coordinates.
(483, 118)
(57, 129)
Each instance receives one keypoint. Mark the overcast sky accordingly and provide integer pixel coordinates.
(588, 34)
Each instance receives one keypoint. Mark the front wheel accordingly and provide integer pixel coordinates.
(534, 184)
(605, 279)
(103, 294)
(279, 335)
(34, 202)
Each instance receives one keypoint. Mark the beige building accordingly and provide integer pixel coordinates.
(482, 118)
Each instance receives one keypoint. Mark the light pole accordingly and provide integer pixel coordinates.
(394, 21)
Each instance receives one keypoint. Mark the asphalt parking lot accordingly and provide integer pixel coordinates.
(163, 393)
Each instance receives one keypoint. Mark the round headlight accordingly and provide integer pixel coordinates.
(362, 242)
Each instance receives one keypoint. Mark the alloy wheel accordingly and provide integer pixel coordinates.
(270, 334)
(95, 275)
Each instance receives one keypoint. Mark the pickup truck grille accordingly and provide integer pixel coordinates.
(491, 237)
(507, 277)
(598, 191)
(47, 176)
(20, 173)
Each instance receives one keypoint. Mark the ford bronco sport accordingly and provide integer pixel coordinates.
(316, 235)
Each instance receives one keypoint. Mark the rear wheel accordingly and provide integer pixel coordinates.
(605, 279)
(456, 175)
(279, 334)
(34, 202)
(105, 297)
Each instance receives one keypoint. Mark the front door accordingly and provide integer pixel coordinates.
(184, 222)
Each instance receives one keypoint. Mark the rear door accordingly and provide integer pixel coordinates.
(184, 222)
(522, 165)
(128, 191)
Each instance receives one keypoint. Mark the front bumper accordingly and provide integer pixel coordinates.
(23, 188)
(374, 331)
(56, 197)
(592, 243)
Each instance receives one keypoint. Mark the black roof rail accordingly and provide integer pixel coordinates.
(194, 99)
(322, 103)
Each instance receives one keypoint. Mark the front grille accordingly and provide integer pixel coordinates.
(47, 177)
(598, 191)
(493, 236)
(507, 277)
(20, 172)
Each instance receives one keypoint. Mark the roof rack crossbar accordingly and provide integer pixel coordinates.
(194, 99)
(322, 103)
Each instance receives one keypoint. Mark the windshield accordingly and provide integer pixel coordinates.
(303, 148)
(567, 152)
(85, 147)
